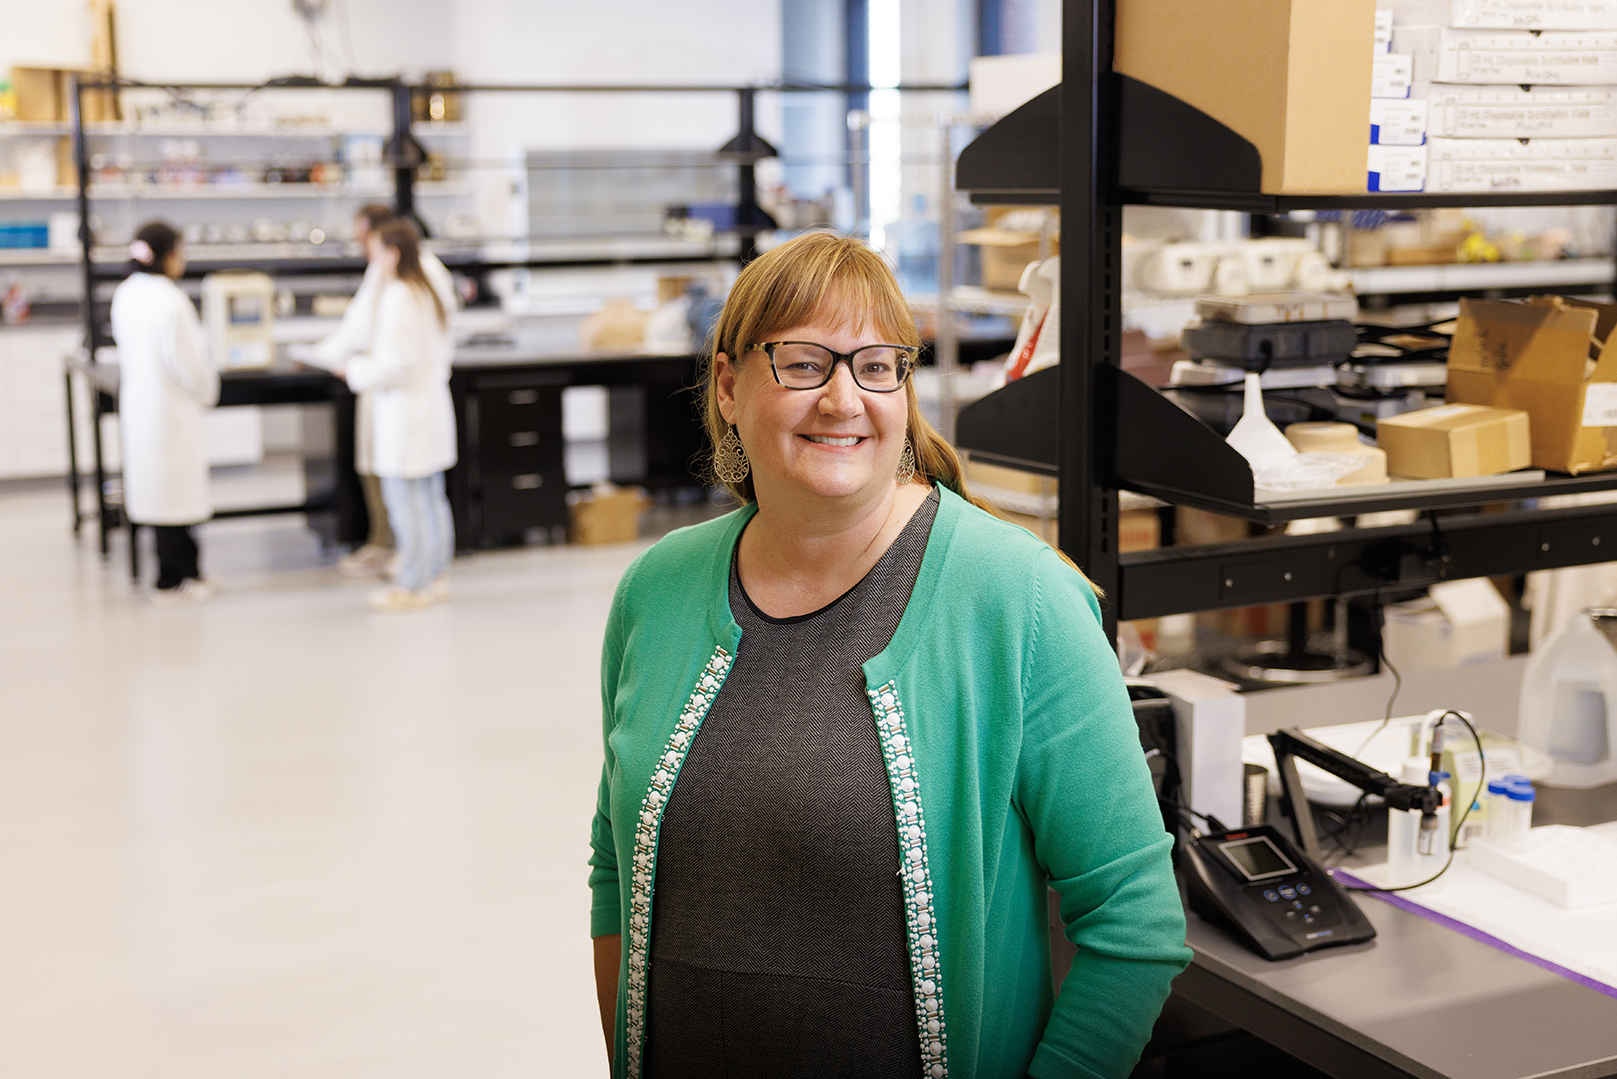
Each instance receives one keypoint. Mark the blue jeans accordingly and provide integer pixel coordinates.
(423, 529)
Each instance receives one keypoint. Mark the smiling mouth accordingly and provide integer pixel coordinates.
(831, 440)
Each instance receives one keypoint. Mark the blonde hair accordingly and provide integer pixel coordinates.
(823, 274)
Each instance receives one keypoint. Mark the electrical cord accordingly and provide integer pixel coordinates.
(1211, 821)
(1381, 657)
(1482, 779)
(1344, 837)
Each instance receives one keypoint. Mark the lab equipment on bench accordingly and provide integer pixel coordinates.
(238, 311)
(1291, 744)
(1277, 344)
(1267, 308)
(1279, 899)
(1407, 864)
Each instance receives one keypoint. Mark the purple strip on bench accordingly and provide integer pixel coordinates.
(1397, 900)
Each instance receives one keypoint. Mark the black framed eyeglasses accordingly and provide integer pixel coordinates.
(804, 365)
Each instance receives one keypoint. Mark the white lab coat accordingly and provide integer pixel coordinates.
(353, 337)
(166, 386)
(406, 376)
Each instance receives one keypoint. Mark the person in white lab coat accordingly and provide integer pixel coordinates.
(406, 374)
(351, 338)
(166, 386)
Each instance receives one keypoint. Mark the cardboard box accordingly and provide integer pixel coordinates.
(606, 515)
(1492, 165)
(1510, 112)
(1455, 440)
(1459, 623)
(1535, 356)
(1392, 76)
(1138, 530)
(67, 172)
(983, 474)
(1396, 168)
(1535, 14)
(1194, 527)
(44, 94)
(1045, 528)
(1509, 57)
(1006, 253)
(1398, 123)
(1290, 76)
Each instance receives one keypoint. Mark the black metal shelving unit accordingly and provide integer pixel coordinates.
(1101, 141)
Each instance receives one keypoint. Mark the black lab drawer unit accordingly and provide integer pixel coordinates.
(511, 483)
(511, 478)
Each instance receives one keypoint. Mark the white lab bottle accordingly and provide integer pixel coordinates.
(1405, 864)
(1569, 703)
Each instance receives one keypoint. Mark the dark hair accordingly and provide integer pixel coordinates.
(399, 234)
(375, 213)
(160, 240)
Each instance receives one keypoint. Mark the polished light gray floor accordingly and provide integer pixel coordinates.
(280, 836)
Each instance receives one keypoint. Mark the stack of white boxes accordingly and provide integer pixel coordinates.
(1397, 119)
(1518, 95)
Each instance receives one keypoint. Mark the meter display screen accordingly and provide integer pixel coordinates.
(246, 310)
(1257, 858)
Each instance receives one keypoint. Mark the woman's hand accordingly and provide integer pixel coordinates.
(608, 958)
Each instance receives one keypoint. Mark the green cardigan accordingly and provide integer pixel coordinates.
(1014, 763)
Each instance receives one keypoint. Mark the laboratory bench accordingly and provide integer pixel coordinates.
(510, 483)
(1419, 1000)
(333, 503)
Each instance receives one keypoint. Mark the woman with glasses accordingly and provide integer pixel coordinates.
(853, 733)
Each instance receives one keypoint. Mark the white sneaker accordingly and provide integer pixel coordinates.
(366, 561)
(393, 599)
(440, 587)
(189, 591)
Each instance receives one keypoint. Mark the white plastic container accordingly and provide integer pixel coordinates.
(1521, 796)
(1569, 705)
(1405, 864)
(1496, 812)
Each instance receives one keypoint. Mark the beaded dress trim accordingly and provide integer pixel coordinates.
(645, 849)
(926, 968)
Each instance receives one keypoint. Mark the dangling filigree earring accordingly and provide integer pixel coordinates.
(906, 464)
(730, 459)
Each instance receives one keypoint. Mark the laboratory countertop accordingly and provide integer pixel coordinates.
(538, 344)
(1420, 999)
(525, 347)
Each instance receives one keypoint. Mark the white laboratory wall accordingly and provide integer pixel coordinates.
(232, 40)
(33, 398)
(609, 42)
(616, 42)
